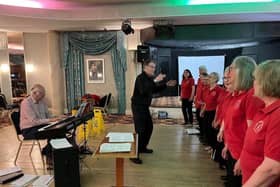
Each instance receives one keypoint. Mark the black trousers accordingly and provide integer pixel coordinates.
(234, 181)
(187, 110)
(200, 121)
(30, 133)
(219, 147)
(143, 125)
(210, 132)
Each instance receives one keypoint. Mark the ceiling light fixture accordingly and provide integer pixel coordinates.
(22, 3)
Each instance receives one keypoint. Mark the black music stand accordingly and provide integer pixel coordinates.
(84, 149)
(82, 113)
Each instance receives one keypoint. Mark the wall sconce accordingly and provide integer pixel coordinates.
(5, 67)
(29, 67)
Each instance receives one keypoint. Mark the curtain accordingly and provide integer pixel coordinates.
(75, 45)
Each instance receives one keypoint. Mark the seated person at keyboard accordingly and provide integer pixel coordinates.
(34, 115)
(34, 112)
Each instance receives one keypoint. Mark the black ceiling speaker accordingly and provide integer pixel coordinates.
(143, 53)
(126, 27)
(165, 30)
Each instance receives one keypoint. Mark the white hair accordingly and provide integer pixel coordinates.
(203, 68)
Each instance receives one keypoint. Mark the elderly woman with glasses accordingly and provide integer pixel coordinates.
(260, 158)
(241, 108)
(34, 112)
(210, 98)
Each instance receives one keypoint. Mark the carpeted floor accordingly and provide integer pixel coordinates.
(172, 102)
(128, 119)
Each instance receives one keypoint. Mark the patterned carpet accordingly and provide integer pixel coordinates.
(172, 102)
(128, 119)
(4, 121)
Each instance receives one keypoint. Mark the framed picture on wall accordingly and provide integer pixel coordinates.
(95, 71)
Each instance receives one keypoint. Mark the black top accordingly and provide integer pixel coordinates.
(144, 88)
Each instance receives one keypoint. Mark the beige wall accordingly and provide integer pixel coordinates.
(57, 77)
(36, 53)
(42, 50)
(5, 78)
(109, 86)
(133, 68)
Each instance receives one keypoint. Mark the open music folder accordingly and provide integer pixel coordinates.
(115, 147)
(120, 137)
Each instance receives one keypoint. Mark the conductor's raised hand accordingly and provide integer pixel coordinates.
(160, 77)
(171, 83)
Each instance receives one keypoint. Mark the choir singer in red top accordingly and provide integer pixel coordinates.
(187, 94)
(260, 157)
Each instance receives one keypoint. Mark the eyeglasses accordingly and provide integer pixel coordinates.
(151, 66)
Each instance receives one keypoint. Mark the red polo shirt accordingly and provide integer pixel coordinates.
(198, 94)
(210, 97)
(241, 107)
(186, 88)
(221, 107)
(262, 140)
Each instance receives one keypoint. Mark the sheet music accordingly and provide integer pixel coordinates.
(60, 143)
(9, 170)
(24, 180)
(115, 147)
(120, 137)
(43, 181)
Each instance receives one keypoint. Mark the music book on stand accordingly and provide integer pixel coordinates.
(60, 143)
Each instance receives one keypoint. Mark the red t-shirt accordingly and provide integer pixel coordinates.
(262, 140)
(210, 97)
(186, 88)
(198, 94)
(221, 107)
(241, 107)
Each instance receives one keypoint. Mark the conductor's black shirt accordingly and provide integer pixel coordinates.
(144, 88)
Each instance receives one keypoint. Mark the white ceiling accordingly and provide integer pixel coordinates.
(108, 14)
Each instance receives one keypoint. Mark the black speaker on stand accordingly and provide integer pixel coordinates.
(143, 53)
(66, 167)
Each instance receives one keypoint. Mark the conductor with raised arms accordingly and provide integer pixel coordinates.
(145, 85)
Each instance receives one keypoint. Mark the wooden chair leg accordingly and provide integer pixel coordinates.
(19, 147)
(40, 149)
(31, 148)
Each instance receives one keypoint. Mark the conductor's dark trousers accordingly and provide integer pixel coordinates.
(143, 125)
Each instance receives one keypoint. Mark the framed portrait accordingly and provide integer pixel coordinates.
(95, 70)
